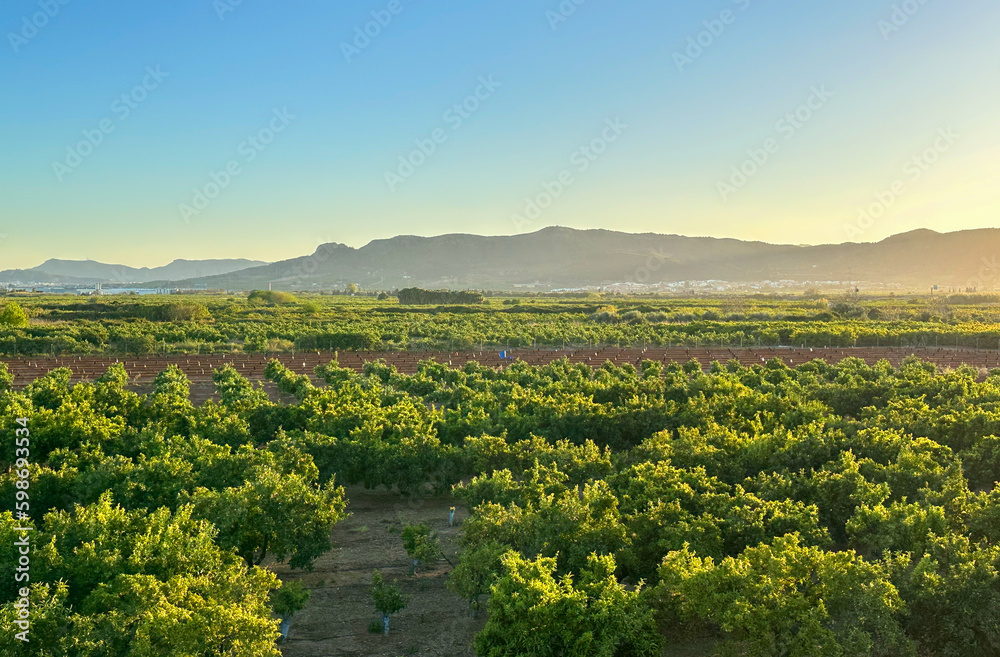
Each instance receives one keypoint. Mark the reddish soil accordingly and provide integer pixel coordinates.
(143, 369)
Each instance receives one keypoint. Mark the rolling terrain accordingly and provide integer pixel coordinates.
(564, 258)
(557, 258)
(89, 272)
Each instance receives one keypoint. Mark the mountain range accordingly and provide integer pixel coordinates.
(563, 258)
(89, 272)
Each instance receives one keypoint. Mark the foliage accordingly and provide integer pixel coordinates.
(269, 297)
(954, 592)
(290, 598)
(6, 378)
(273, 321)
(274, 513)
(420, 543)
(141, 522)
(532, 614)
(416, 296)
(822, 509)
(113, 582)
(790, 599)
(477, 572)
(387, 597)
(13, 315)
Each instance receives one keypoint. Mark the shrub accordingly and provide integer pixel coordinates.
(13, 315)
(271, 298)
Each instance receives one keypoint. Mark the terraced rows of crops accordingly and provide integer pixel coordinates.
(200, 368)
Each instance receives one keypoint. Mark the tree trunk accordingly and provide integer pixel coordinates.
(263, 553)
(385, 624)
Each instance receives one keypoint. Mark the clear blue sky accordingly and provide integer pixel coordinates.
(323, 177)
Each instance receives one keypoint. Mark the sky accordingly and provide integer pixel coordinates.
(140, 132)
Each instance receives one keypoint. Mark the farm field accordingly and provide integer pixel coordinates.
(651, 501)
(40, 326)
(436, 622)
(142, 369)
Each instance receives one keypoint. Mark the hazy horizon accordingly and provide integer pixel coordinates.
(171, 260)
(630, 117)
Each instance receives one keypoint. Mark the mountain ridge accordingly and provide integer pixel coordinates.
(560, 258)
(566, 258)
(89, 272)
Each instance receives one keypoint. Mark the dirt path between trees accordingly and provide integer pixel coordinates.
(335, 621)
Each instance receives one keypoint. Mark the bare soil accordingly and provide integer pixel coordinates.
(335, 621)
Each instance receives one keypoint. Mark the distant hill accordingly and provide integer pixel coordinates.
(88, 272)
(559, 258)
(566, 258)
